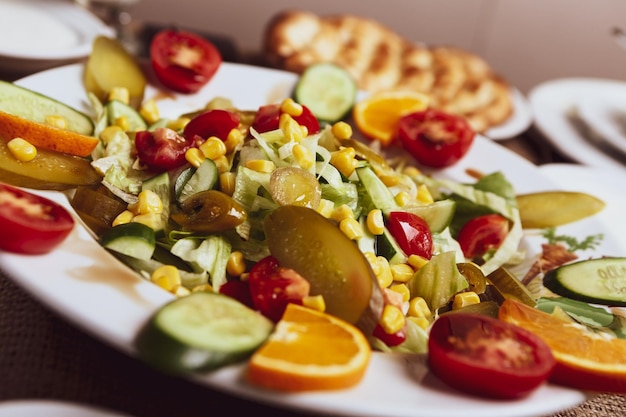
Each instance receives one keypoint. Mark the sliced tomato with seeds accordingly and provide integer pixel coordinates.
(31, 224)
(162, 149)
(268, 116)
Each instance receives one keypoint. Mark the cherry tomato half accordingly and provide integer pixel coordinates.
(239, 290)
(412, 233)
(488, 357)
(435, 138)
(162, 149)
(268, 116)
(482, 234)
(214, 122)
(273, 287)
(183, 61)
(31, 224)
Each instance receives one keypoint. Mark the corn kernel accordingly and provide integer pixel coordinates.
(202, 287)
(166, 277)
(403, 290)
(123, 123)
(213, 148)
(351, 228)
(178, 124)
(261, 165)
(233, 140)
(236, 264)
(401, 272)
(180, 291)
(465, 299)
(150, 111)
(124, 217)
(344, 160)
(22, 150)
(290, 107)
(109, 133)
(417, 261)
(402, 198)
(371, 258)
(316, 302)
(291, 129)
(424, 195)
(392, 319)
(411, 171)
(56, 121)
(120, 94)
(422, 322)
(227, 182)
(418, 308)
(147, 202)
(195, 157)
(342, 130)
(390, 179)
(326, 208)
(375, 222)
(342, 212)
(152, 220)
(303, 156)
(222, 164)
(383, 275)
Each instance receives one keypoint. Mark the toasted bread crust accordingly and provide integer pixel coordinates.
(457, 81)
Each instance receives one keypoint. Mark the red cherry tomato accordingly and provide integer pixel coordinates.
(183, 61)
(215, 122)
(482, 234)
(239, 290)
(268, 116)
(31, 224)
(273, 287)
(162, 149)
(485, 356)
(390, 339)
(412, 233)
(435, 138)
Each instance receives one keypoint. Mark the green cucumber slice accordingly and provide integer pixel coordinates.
(328, 90)
(132, 239)
(117, 109)
(29, 104)
(201, 332)
(193, 180)
(437, 215)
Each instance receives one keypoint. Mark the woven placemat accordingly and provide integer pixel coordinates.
(44, 357)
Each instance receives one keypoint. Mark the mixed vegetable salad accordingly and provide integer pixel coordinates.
(274, 205)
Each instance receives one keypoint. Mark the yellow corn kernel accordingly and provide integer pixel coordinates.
(326, 208)
(194, 156)
(422, 322)
(152, 220)
(418, 307)
(304, 131)
(290, 107)
(401, 272)
(371, 258)
(56, 121)
(260, 165)
(202, 287)
(351, 228)
(424, 195)
(180, 291)
(383, 274)
(375, 222)
(403, 290)
(120, 94)
(390, 179)
(123, 123)
(150, 111)
(402, 198)
(124, 217)
(342, 212)
(316, 302)
(109, 133)
(213, 148)
(465, 299)
(233, 140)
(344, 160)
(178, 124)
(411, 171)
(236, 264)
(417, 261)
(166, 277)
(392, 320)
(342, 130)
(303, 156)
(22, 150)
(227, 182)
(147, 202)
(291, 129)
(223, 164)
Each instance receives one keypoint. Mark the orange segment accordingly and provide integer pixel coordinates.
(45, 136)
(377, 115)
(585, 360)
(310, 350)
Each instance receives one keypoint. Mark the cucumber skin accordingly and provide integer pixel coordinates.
(554, 280)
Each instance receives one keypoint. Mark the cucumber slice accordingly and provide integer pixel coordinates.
(599, 281)
(28, 104)
(387, 246)
(193, 180)
(132, 239)
(117, 109)
(437, 215)
(200, 332)
(328, 90)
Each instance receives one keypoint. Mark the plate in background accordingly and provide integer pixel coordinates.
(604, 112)
(520, 120)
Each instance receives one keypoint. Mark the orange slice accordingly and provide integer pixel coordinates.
(44, 136)
(585, 360)
(377, 115)
(310, 350)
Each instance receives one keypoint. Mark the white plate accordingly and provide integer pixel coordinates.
(38, 34)
(81, 281)
(604, 112)
(555, 108)
(44, 408)
(520, 120)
